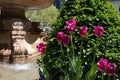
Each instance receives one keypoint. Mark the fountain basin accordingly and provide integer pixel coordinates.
(28, 4)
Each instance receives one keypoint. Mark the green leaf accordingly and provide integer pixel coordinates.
(52, 39)
(45, 72)
(91, 75)
(62, 77)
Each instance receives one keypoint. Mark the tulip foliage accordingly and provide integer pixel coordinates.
(86, 35)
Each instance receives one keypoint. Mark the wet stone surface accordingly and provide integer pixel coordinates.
(28, 71)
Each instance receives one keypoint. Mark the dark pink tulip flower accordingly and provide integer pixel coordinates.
(98, 31)
(66, 40)
(102, 64)
(83, 31)
(41, 47)
(60, 35)
(70, 25)
(111, 69)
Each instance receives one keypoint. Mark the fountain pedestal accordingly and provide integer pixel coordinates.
(17, 41)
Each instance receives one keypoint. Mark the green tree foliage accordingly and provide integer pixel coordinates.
(47, 15)
(89, 13)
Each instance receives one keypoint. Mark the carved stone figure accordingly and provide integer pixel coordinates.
(18, 37)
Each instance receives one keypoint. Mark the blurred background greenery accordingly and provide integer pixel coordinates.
(47, 15)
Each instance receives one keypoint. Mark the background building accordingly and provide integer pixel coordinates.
(116, 4)
(58, 3)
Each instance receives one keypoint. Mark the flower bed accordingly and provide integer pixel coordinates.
(85, 43)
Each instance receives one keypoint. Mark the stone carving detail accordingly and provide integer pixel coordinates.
(18, 36)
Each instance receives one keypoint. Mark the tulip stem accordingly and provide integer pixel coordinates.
(81, 47)
(95, 47)
(108, 77)
(61, 50)
(68, 54)
(72, 46)
(93, 59)
(102, 76)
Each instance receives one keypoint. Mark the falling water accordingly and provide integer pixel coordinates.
(19, 44)
(22, 53)
(19, 48)
(22, 65)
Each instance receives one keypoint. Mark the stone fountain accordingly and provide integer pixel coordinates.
(18, 35)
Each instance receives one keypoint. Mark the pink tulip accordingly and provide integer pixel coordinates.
(83, 31)
(98, 31)
(70, 25)
(111, 69)
(66, 40)
(60, 36)
(102, 64)
(41, 47)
